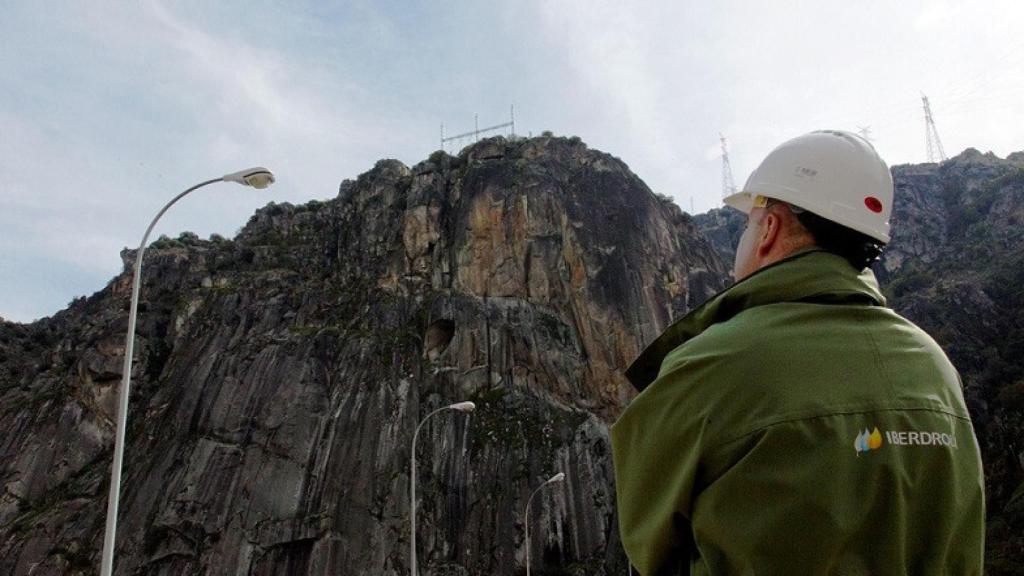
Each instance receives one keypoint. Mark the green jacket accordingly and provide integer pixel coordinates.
(795, 425)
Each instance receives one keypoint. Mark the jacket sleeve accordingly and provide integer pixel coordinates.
(657, 452)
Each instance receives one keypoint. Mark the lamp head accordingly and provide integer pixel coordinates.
(463, 406)
(556, 478)
(257, 177)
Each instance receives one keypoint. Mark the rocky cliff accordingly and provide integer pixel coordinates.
(279, 377)
(723, 228)
(955, 266)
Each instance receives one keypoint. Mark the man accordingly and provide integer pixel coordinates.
(794, 424)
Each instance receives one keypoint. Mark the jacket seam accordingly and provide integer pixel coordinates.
(819, 416)
(878, 355)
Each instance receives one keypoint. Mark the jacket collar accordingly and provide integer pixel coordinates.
(810, 276)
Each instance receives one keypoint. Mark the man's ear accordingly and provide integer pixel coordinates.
(769, 237)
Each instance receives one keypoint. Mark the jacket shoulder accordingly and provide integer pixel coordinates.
(795, 360)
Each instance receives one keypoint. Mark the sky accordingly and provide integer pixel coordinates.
(110, 109)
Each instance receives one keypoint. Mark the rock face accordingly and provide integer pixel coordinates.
(955, 266)
(723, 228)
(279, 377)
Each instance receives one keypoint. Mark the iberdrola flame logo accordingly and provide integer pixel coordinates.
(867, 441)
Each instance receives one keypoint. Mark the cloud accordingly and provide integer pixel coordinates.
(618, 77)
(82, 175)
(713, 152)
(257, 89)
(108, 111)
(934, 16)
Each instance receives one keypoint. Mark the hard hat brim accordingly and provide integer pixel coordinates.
(742, 201)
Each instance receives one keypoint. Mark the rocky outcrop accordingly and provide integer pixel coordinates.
(955, 266)
(723, 228)
(280, 375)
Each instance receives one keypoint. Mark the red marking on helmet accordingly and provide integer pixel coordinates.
(873, 204)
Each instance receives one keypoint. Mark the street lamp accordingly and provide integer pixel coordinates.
(560, 477)
(460, 407)
(257, 178)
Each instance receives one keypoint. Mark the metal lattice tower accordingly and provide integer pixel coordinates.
(934, 146)
(728, 186)
(865, 132)
(477, 130)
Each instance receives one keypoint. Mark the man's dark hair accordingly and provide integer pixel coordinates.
(859, 249)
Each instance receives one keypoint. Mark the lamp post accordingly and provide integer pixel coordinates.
(560, 477)
(460, 407)
(255, 177)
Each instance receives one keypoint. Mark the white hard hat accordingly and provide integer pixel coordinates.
(834, 174)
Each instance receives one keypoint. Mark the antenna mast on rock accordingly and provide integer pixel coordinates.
(477, 131)
(728, 186)
(935, 151)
